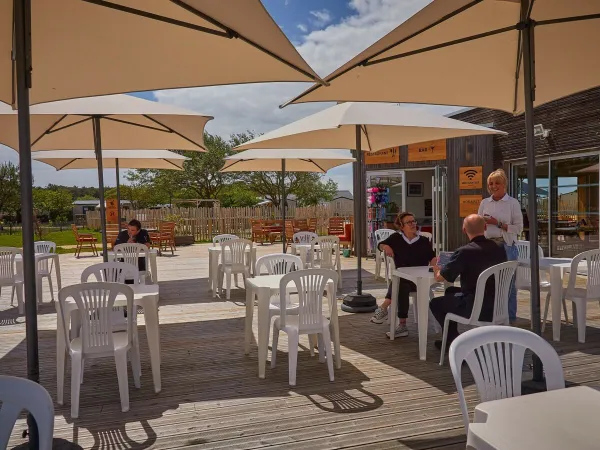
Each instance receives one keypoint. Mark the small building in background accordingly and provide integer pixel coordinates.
(342, 204)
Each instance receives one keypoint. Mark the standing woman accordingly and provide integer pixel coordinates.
(504, 220)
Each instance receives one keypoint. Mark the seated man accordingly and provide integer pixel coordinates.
(132, 235)
(408, 250)
(467, 262)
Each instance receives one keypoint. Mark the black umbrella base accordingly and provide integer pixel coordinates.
(359, 303)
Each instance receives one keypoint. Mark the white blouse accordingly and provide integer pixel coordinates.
(506, 210)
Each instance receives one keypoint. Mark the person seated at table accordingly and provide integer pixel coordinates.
(408, 249)
(467, 262)
(135, 234)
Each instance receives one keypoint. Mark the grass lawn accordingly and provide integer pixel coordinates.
(60, 237)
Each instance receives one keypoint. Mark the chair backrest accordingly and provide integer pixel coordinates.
(289, 230)
(592, 258)
(312, 225)
(302, 224)
(95, 303)
(167, 227)
(524, 272)
(7, 263)
(18, 394)
(44, 247)
(130, 252)
(495, 357)
(503, 274)
(233, 252)
(111, 272)
(426, 234)
(328, 252)
(382, 234)
(310, 285)
(222, 238)
(304, 237)
(257, 226)
(336, 226)
(278, 264)
(75, 231)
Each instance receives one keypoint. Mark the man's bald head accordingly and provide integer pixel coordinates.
(474, 225)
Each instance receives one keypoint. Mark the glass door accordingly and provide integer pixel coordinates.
(386, 196)
(439, 209)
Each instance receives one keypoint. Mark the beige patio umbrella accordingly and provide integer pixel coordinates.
(288, 160)
(368, 127)
(113, 122)
(509, 55)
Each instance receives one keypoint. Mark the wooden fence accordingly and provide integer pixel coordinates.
(205, 223)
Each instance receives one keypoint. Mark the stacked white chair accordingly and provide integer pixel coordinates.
(304, 237)
(95, 302)
(44, 267)
(130, 254)
(310, 285)
(523, 278)
(236, 255)
(325, 254)
(380, 236)
(223, 238)
(9, 277)
(503, 274)
(18, 394)
(581, 296)
(495, 356)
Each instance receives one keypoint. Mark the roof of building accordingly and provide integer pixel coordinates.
(343, 194)
(95, 202)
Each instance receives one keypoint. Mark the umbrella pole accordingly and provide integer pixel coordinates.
(283, 203)
(529, 81)
(98, 150)
(22, 18)
(118, 194)
(358, 301)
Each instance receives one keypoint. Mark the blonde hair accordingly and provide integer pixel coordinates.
(497, 175)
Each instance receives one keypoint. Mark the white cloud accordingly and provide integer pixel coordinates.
(321, 18)
(302, 27)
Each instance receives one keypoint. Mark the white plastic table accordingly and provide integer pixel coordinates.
(151, 262)
(40, 257)
(213, 266)
(146, 296)
(303, 249)
(423, 279)
(262, 288)
(555, 420)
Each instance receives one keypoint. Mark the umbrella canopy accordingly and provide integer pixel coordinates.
(465, 52)
(83, 48)
(296, 160)
(125, 159)
(382, 126)
(127, 122)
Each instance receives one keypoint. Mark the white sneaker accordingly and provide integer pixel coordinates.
(380, 315)
(400, 331)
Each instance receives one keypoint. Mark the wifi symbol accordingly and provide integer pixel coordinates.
(470, 173)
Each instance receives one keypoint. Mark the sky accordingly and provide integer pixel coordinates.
(327, 33)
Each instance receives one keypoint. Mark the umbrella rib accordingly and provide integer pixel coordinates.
(568, 19)
(234, 34)
(315, 163)
(49, 130)
(443, 45)
(67, 164)
(175, 132)
(364, 130)
(126, 122)
(236, 162)
(172, 163)
(156, 17)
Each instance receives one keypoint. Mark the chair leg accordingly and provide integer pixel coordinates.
(444, 339)
(51, 287)
(38, 289)
(75, 384)
(121, 364)
(564, 304)
(377, 265)
(545, 317)
(311, 344)
(136, 368)
(581, 310)
(12, 296)
(20, 304)
(326, 337)
(228, 283)
(292, 357)
(274, 346)
(321, 344)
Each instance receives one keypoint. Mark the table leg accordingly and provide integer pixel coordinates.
(264, 327)
(153, 269)
(213, 263)
(303, 253)
(248, 321)
(556, 293)
(333, 317)
(423, 307)
(152, 334)
(57, 272)
(60, 354)
(253, 262)
(394, 305)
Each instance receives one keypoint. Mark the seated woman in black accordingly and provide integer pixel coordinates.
(135, 234)
(408, 250)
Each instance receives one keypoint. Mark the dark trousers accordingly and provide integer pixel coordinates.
(450, 303)
(404, 290)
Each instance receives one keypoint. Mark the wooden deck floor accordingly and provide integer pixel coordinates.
(383, 397)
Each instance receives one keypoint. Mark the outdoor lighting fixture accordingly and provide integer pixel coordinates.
(540, 131)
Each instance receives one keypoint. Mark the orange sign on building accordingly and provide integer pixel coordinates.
(469, 204)
(386, 156)
(427, 151)
(112, 211)
(470, 177)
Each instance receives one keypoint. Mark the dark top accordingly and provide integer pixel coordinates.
(141, 238)
(419, 253)
(468, 262)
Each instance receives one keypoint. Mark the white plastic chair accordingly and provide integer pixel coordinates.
(234, 259)
(581, 296)
(503, 274)
(380, 236)
(44, 267)
(130, 253)
(95, 301)
(18, 394)
(523, 278)
(9, 277)
(304, 237)
(495, 357)
(223, 238)
(326, 256)
(426, 234)
(310, 285)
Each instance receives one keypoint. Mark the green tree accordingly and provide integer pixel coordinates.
(10, 189)
(238, 195)
(57, 203)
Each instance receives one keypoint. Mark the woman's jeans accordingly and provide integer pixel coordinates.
(512, 253)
